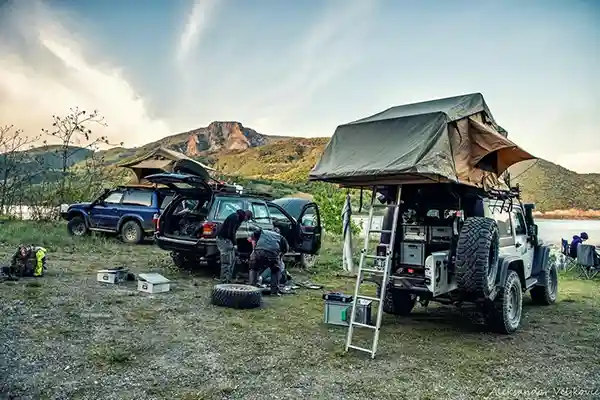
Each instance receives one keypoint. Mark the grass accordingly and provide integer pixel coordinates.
(67, 336)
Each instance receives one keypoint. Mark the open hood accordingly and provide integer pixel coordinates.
(180, 182)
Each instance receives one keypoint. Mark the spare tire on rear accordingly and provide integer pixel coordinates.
(477, 257)
(236, 296)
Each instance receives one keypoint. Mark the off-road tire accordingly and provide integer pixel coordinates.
(397, 302)
(477, 257)
(131, 232)
(546, 294)
(74, 227)
(504, 314)
(236, 296)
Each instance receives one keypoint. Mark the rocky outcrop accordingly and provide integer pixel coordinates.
(227, 135)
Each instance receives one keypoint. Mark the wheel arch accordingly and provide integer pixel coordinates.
(130, 217)
(510, 264)
(78, 213)
(541, 257)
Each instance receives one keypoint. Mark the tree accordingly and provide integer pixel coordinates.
(75, 136)
(16, 167)
(331, 202)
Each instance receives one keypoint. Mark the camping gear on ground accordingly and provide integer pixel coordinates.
(112, 275)
(27, 261)
(238, 296)
(338, 307)
(569, 262)
(153, 283)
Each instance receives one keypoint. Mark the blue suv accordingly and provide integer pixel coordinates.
(129, 211)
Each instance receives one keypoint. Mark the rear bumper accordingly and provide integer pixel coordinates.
(202, 247)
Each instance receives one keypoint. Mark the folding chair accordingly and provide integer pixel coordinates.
(568, 262)
(586, 261)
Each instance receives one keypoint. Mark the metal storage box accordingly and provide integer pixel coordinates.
(412, 253)
(337, 311)
(414, 232)
(440, 234)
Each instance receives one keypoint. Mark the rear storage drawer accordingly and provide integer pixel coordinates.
(412, 253)
(414, 232)
(440, 234)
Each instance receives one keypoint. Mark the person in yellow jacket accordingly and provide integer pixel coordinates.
(28, 261)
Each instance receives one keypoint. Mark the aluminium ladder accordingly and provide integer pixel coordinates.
(386, 273)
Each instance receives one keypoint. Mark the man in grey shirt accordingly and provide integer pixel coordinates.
(269, 248)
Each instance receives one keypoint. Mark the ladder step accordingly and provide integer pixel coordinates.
(371, 270)
(351, 346)
(384, 205)
(374, 257)
(380, 231)
(360, 296)
(364, 325)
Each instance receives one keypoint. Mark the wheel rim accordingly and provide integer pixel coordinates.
(553, 284)
(513, 308)
(130, 234)
(79, 229)
(309, 259)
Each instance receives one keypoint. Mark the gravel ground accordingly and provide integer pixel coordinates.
(66, 336)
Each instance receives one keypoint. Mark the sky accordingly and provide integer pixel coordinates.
(158, 67)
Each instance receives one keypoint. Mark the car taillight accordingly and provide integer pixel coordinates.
(410, 271)
(208, 229)
(155, 219)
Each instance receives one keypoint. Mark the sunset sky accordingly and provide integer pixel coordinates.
(291, 67)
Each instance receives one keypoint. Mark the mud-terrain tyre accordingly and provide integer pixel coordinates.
(236, 296)
(504, 314)
(546, 294)
(397, 302)
(77, 227)
(477, 257)
(131, 232)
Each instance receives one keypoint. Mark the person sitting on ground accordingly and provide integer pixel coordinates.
(269, 248)
(226, 239)
(28, 261)
(577, 240)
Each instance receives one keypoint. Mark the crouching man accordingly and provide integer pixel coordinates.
(28, 261)
(269, 248)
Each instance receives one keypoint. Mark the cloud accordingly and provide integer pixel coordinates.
(46, 69)
(196, 24)
(331, 45)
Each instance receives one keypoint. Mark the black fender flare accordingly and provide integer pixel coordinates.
(510, 263)
(541, 258)
(130, 217)
(79, 213)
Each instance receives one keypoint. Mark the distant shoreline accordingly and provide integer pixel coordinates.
(591, 215)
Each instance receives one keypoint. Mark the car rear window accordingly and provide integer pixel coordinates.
(226, 207)
(138, 198)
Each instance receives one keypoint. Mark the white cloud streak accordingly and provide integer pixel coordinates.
(44, 71)
(196, 24)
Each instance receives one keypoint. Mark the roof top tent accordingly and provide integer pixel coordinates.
(163, 160)
(450, 140)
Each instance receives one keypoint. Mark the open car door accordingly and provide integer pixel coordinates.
(285, 222)
(309, 229)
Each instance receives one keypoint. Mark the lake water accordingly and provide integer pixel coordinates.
(550, 230)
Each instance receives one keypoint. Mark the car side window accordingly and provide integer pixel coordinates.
(138, 198)
(226, 207)
(277, 215)
(260, 212)
(503, 220)
(309, 218)
(114, 198)
(520, 226)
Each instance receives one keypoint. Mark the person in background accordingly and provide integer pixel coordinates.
(577, 240)
(226, 238)
(28, 261)
(269, 248)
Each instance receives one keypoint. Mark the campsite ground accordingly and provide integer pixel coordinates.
(65, 336)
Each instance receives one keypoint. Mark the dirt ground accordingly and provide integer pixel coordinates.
(66, 336)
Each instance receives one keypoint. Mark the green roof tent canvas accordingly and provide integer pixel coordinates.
(454, 139)
(163, 160)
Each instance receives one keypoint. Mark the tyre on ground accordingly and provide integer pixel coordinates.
(477, 257)
(236, 296)
(397, 302)
(131, 232)
(77, 227)
(504, 313)
(547, 292)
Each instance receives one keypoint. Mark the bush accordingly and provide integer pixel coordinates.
(331, 202)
